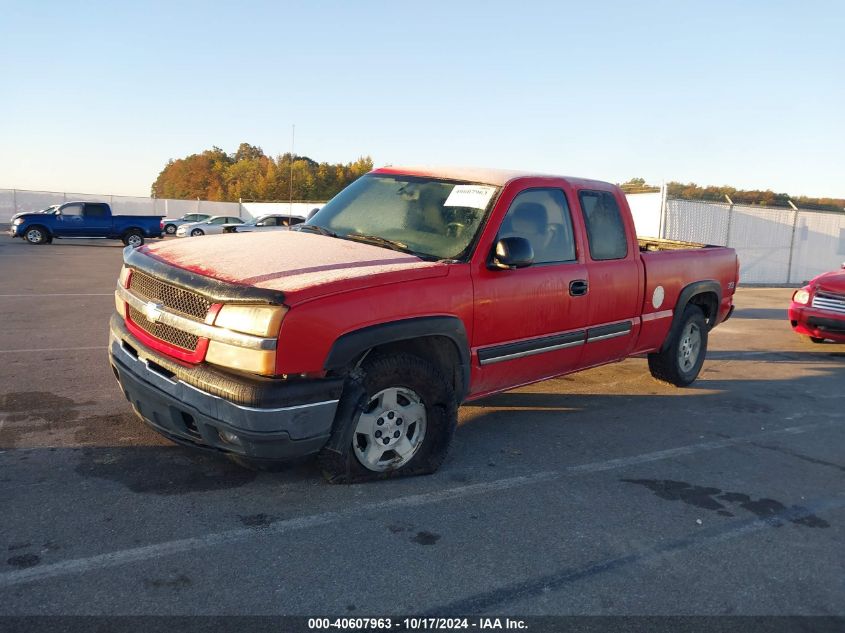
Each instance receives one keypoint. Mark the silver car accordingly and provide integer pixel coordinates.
(267, 222)
(212, 226)
(170, 224)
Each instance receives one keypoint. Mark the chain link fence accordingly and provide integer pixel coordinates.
(774, 245)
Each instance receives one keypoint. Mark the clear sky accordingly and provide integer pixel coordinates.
(96, 97)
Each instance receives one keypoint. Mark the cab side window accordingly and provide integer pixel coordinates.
(542, 217)
(72, 209)
(605, 229)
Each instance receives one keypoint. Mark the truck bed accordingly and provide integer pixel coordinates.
(654, 244)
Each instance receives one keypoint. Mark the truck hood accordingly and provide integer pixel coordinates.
(300, 265)
(832, 282)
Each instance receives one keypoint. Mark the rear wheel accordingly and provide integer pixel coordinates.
(36, 235)
(170, 229)
(133, 238)
(816, 339)
(402, 426)
(680, 363)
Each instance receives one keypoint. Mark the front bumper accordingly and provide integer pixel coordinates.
(817, 323)
(199, 405)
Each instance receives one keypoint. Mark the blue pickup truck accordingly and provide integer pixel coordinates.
(84, 219)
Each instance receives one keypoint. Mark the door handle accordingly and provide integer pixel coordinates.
(578, 288)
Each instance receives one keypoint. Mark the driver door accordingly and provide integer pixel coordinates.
(530, 323)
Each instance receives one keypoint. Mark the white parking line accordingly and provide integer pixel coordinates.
(53, 349)
(157, 550)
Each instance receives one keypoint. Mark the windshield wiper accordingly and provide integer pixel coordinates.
(316, 228)
(396, 245)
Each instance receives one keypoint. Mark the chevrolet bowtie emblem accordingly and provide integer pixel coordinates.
(152, 311)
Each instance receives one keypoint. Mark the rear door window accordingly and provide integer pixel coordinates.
(96, 210)
(605, 228)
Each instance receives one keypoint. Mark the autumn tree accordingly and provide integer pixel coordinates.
(249, 174)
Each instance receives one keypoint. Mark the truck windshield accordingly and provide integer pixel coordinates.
(432, 218)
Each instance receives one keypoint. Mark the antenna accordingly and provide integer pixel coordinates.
(290, 184)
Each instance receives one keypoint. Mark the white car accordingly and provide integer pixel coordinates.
(212, 226)
(267, 222)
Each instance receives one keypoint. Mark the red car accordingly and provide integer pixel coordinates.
(818, 309)
(357, 334)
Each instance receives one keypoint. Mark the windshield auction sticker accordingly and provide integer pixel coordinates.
(472, 196)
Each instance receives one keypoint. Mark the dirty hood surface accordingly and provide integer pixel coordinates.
(300, 265)
(832, 282)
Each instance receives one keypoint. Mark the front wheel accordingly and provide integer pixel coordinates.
(680, 363)
(197, 232)
(36, 235)
(403, 425)
(816, 339)
(133, 238)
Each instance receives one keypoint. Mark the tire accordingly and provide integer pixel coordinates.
(816, 339)
(170, 229)
(400, 404)
(36, 235)
(680, 363)
(197, 232)
(133, 238)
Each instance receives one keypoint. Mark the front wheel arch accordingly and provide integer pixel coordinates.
(440, 340)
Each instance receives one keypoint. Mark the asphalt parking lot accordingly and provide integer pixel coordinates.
(604, 492)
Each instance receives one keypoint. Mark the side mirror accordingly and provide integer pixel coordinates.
(311, 214)
(512, 252)
(843, 265)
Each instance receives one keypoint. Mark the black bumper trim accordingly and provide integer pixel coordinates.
(185, 413)
(184, 423)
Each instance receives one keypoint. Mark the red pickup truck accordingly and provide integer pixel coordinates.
(357, 334)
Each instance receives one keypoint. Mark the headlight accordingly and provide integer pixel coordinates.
(17, 221)
(801, 296)
(261, 320)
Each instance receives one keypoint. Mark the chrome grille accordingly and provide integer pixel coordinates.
(176, 299)
(829, 302)
(164, 332)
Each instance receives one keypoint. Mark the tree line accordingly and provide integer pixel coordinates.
(249, 174)
(692, 191)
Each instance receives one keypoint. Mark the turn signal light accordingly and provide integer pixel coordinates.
(256, 361)
(123, 279)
